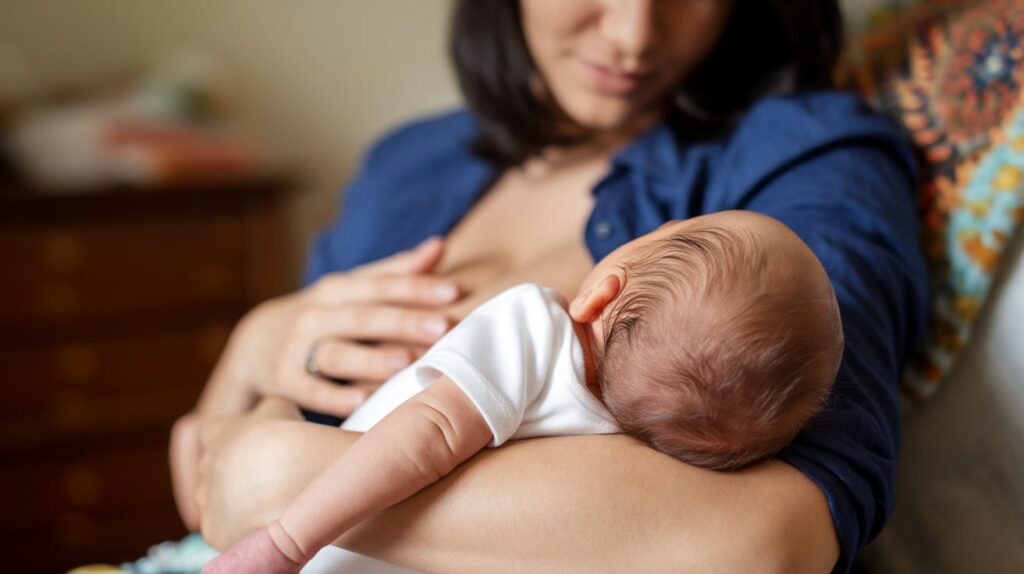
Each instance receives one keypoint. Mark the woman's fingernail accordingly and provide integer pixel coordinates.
(445, 292)
(398, 362)
(435, 326)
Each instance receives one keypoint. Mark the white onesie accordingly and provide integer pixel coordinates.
(517, 358)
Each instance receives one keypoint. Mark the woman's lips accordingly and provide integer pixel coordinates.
(613, 81)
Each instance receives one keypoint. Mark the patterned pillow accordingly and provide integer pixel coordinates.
(879, 32)
(957, 90)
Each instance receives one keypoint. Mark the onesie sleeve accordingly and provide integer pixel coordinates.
(500, 356)
(848, 192)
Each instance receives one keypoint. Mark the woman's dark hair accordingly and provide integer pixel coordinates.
(768, 46)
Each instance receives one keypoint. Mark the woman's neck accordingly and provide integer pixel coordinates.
(593, 145)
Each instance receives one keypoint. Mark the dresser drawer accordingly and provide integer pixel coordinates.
(90, 483)
(114, 305)
(104, 267)
(47, 378)
(102, 505)
(76, 539)
(77, 421)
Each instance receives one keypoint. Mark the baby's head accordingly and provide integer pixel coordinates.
(715, 339)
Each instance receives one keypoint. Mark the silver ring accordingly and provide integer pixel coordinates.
(311, 367)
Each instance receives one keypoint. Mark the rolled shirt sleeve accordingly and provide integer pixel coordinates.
(849, 193)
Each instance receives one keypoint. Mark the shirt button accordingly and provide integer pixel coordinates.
(603, 230)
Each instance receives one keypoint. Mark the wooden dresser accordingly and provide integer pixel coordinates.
(114, 305)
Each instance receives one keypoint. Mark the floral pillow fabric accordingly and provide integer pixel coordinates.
(951, 73)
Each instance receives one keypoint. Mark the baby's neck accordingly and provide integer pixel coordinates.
(585, 335)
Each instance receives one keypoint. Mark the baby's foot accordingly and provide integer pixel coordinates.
(256, 554)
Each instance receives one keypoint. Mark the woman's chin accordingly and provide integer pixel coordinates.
(609, 118)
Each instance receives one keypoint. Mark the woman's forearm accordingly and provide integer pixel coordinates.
(587, 504)
(605, 504)
(228, 392)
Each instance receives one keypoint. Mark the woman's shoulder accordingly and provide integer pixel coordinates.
(816, 114)
(780, 128)
(782, 132)
(427, 139)
(421, 164)
(414, 182)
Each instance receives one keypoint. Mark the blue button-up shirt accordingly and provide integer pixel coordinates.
(826, 165)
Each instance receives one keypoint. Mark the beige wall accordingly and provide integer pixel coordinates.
(316, 80)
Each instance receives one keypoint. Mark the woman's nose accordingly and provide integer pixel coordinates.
(629, 26)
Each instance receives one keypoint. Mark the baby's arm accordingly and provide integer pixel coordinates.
(414, 446)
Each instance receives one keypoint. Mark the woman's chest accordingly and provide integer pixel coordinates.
(525, 228)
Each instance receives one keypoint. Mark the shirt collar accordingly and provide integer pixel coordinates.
(656, 152)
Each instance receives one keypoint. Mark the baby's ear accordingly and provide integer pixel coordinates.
(587, 307)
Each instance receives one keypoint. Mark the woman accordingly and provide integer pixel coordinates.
(591, 122)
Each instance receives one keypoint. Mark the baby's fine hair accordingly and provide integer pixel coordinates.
(720, 349)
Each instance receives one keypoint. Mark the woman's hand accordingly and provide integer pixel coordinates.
(252, 466)
(363, 326)
(242, 466)
(183, 457)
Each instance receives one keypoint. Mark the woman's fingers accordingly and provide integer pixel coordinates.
(326, 343)
(414, 290)
(295, 379)
(209, 432)
(370, 323)
(346, 319)
(327, 397)
(403, 278)
(420, 259)
(345, 360)
(202, 500)
(369, 386)
(276, 407)
(184, 454)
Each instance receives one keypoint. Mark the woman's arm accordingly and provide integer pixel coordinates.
(568, 504)
(417, 444)
(605, 504)
(290, 345)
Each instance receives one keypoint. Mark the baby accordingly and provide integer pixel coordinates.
(712, 340)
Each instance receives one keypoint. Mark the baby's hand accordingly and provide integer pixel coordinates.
(257, 554)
